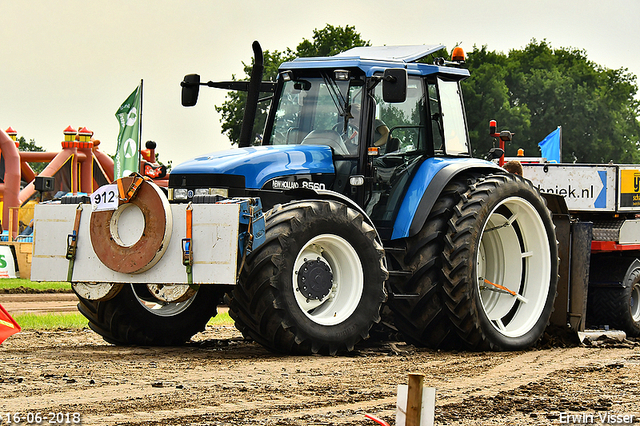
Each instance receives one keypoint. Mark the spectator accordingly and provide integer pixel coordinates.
(513, 167)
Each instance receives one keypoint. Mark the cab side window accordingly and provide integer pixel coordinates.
(405, 121)
(453, 120)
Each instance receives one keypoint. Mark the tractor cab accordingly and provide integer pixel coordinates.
(379, 111)
(367, 96)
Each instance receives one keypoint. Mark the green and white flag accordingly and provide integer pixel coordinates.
(129, 116)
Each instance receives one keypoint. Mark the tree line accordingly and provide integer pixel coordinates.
(529, 91)
(532, 91)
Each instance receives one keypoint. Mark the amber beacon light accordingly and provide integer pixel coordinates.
(458, 54)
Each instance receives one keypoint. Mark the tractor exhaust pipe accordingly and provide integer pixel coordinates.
(250, 109)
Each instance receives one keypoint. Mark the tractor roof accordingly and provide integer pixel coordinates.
(372, 59)
(391, 53)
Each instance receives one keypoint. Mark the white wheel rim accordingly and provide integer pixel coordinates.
(348, 281)
(163, 309)
(634, 303)
(514, 267)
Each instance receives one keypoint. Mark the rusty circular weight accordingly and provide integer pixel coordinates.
(172, 293)
(97, 291)
(149, 248)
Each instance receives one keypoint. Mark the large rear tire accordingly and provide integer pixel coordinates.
(316, 285)
(134, 317)
(421, 316)
(500, 265)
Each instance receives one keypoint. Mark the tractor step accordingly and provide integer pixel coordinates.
(405, 274)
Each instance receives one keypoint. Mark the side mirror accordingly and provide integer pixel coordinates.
(190, 89)
(394, 85)
(494, 153)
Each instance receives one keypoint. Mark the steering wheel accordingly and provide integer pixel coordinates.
(351, 133)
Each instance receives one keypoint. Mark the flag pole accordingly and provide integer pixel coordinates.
(560, 127)
(140, 129)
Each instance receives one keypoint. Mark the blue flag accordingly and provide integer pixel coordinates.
(551, 146)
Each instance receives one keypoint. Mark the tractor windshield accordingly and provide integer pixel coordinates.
(318, 111)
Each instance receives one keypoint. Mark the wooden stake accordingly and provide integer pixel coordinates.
(414, 399)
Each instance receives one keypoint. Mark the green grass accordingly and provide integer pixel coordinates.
(75, 320)
(23, 282)
(221, 319)
(51, 321)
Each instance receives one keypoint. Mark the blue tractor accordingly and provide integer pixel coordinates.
(374, 210)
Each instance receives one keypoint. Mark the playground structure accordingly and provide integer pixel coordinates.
(80, 167)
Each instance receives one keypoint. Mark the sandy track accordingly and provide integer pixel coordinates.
(39, 303)
(220, 379)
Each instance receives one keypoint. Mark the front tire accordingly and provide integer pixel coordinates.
(134, 317)
(500, 265)
(316, 285)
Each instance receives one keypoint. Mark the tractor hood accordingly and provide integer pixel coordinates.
(261, 163)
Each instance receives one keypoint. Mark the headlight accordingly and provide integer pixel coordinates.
(356, 180)
(180, 193)
(224, 192)
(183, 194)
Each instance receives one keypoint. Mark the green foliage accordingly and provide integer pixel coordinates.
(32, 147)
(325, 42)
(232, 110)
(534, 90)
(29, 146)
(169, 164)
(330, 41)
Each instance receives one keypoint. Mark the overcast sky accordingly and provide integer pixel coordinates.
(73, 62)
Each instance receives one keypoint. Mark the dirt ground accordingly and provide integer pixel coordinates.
(38, 303)
(220, 379)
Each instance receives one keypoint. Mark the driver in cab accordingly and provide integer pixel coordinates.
(381, 134)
